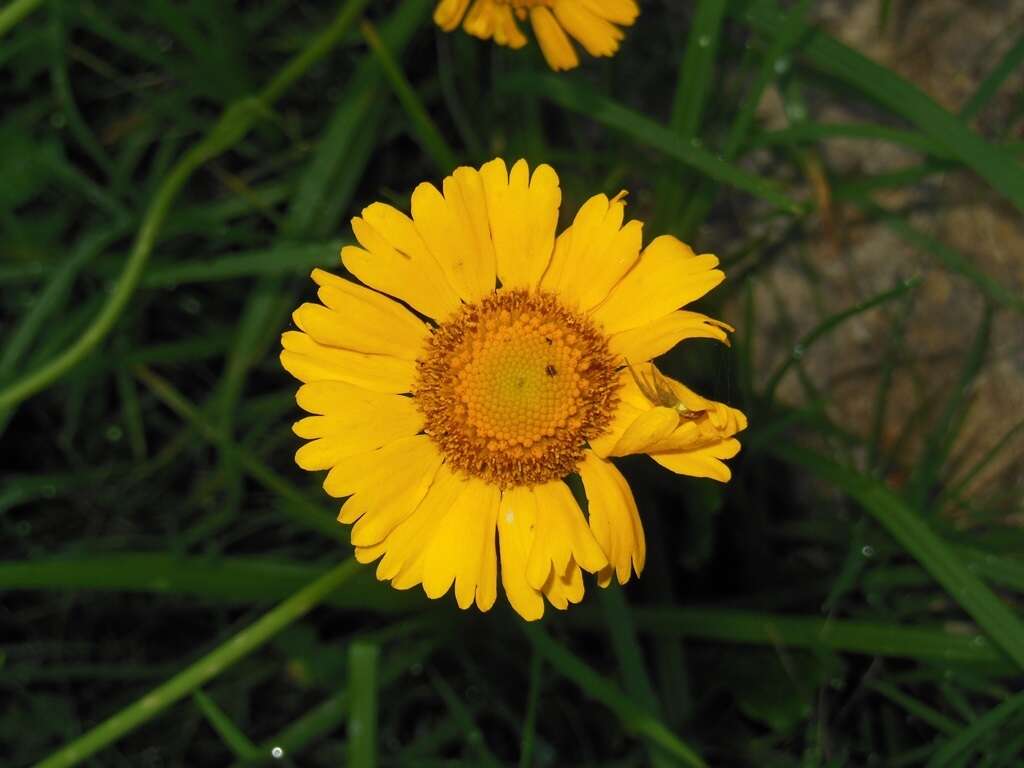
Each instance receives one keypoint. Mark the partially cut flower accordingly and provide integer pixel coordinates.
(486, 363)
(594, 24)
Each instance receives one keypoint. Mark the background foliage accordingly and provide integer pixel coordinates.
(176, 590)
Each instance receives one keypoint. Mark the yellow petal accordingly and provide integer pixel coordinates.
(638, 345)
(506, 31)
(454, 227)
(403, 559)
(593, 254)
(649, 428)
(516, 520)
(553, 42)
(481, 19)
(377, 508)
(394, 259)
(449, 13)
(597, 35)
(308, 361)
(366, 555)
(359, 420)
(561, 589)
(625, 414)
(361, 320)
(560, 535)
(622, 12)
(667, 276)
(462, 536)
(717, 423)
(373, 467)
(523, 214)
(614, 518)
(702, 462)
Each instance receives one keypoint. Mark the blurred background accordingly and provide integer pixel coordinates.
(170, 172)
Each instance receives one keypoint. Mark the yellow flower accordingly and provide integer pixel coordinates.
(594, 24)
(485, 363)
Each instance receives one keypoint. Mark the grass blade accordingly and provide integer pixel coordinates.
(363, 685)
(14, 12)
(233, 125)
(470, 731)
(240, 644)
(305, 511)
(231, 579)
(828, 55)
(991, 84)
(696, 73)
(988, 725)
(830, 324)
(529, 733)
(423, 127)
(632, 717)
(239, 744)
(1001, 625)
(870, 638)
(573, 95)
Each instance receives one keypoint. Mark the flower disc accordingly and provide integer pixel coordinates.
(514, 386)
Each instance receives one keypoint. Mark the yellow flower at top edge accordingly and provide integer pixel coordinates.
(481, 363)
(594, 24)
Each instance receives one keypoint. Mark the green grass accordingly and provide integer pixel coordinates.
(175, 591)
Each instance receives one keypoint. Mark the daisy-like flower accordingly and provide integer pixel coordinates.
(594, 24)
(482, 362)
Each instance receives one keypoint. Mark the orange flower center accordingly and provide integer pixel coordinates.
(513, 387)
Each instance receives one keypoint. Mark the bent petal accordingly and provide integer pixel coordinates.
(701, 462)
(702, 437)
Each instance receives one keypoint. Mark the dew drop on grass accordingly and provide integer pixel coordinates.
(868, 551)
(191, 305)
(277, 753)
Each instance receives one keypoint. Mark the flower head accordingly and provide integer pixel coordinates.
(594, 24)
(481, 363)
